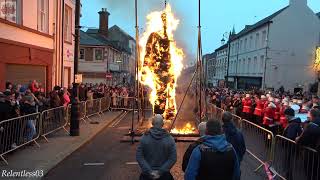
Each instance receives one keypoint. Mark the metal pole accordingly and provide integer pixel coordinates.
(200, 62)
(137, 59)
(75, 108)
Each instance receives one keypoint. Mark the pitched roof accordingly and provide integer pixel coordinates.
(117, 28)
(86, 39)
(222, 47)
(260, 23)
(210, 55)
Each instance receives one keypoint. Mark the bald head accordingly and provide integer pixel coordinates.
(157, 121)
(202, 128)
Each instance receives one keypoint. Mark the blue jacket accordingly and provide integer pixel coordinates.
(235, 137)
(156, 151)
(218, 142)
(293, 129)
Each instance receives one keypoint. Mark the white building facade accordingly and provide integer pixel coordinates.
(276, 51)
(221, 65)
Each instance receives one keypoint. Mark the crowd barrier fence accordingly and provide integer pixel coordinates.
(20, 131)
(17, 132)
(295, 162)
(53, 119)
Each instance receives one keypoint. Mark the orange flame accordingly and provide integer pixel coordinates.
(147, 75)
(187, 129)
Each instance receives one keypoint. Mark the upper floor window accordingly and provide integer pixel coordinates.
(250, 42)
(257, 40)
(264, 39)
(43, 15)
(245, 44)
(11, 10)
(98, 54)
(67, 24)
(240, 48)
(82, 54)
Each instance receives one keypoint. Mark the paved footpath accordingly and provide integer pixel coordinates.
(60, 145)
(106, 158)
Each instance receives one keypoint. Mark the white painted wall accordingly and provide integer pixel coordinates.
(294, 34)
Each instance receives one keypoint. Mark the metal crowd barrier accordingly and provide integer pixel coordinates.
(259, 141)
(237, 121)
(123, 103)
(17, 132)
(93, 108)
(216, 113)
(295, 162)
(105, 104)
(82, 112)
(53, 120)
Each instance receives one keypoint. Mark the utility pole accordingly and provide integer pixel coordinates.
(75, 107)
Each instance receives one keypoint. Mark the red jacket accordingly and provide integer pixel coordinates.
(269, 115)
(283, 119)
(258, 111)
(246, 104)
(277, 112)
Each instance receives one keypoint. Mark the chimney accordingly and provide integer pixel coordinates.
(103, 21)
(298, 2)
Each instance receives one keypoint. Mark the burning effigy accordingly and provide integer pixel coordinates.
(161, 62)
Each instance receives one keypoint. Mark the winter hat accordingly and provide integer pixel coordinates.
(289, 112)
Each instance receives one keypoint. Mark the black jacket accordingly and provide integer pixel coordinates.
(311, 135)
(235, 137)
(293, 129)
(7, 111)
(188, 153)
(28, 109)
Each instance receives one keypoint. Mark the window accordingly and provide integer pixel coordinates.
(98, 54)
(43, 15)
(82, 55)
(264, 39)
(261, 64)
(240, 49)
(67, 24)
(245, 44)
(250, 42)
(244, 66)
(257, 41)
(11, 10)
(249, 65)
(255, 65)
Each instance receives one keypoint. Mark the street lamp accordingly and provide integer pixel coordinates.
(223, 41)
(75, 106)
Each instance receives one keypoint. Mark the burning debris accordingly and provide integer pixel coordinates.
(162, 62)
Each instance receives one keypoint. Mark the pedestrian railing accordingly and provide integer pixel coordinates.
(237, 121)
(105, 104)
(294, 162)
(93, 107)
(53, 120)
(17, 132)
(215, 113)
(259, 141)
(123, 103)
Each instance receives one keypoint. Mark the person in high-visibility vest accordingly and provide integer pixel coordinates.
(258, 111)
(246, 107)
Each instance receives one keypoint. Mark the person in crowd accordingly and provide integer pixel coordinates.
(293, 129)
(66, 97)
(29, 107)
(233, 135)
(214, 158)
(283, 118)
(246, 107)
(187, 154)
(156, 153)
(311, 134)
(55, 100)
(258, 111)
(269, 113)
(83, 92)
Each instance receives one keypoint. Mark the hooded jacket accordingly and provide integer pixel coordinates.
(156, 151)
(293, 129)
(311, 135)
(235, 137)
(219, 145)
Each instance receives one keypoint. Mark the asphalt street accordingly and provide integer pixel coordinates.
(106, 158)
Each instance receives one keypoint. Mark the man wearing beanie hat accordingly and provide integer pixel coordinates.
(293, 129)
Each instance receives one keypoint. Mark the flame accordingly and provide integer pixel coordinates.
(187, 129)
(148, 74)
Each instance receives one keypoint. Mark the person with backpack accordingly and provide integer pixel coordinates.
(215, 158)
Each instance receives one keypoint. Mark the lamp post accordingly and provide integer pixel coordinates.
(75, 106)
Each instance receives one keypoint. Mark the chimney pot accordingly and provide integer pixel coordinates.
(104, 21)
